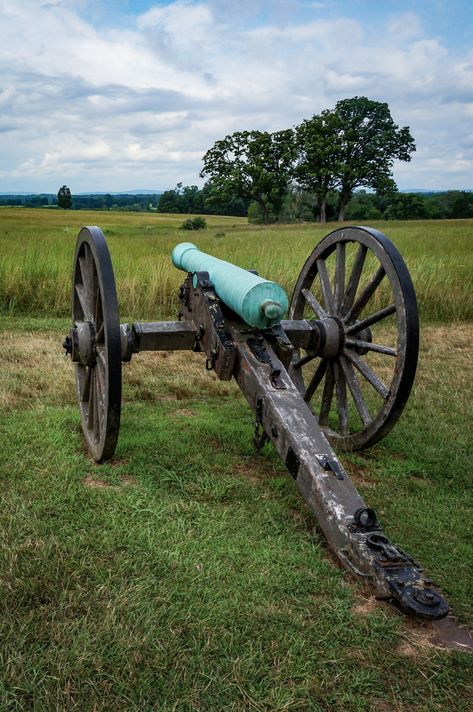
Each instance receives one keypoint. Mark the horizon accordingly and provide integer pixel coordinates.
(158, 191)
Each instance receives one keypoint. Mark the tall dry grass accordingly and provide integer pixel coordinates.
(37, 246)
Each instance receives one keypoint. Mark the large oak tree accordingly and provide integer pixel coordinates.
(255, 165)
(353, 145)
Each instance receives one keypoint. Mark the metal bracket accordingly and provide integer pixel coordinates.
(258, 347)
(292, 462)
(200, 303)
(260, 438)
(333, 465)
(408, 586)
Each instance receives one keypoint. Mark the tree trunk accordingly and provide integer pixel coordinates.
(323, 210)
(344, 198)
(265, 211)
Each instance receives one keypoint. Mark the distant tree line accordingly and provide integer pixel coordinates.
(181, 199)
(297, 205)
(92, 201)
(205, 200)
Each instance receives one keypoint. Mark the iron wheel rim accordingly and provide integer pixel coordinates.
(94, 301)
(372, 241)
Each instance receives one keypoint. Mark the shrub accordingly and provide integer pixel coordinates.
(194, 224)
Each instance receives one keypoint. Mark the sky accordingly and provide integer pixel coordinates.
(129, 95)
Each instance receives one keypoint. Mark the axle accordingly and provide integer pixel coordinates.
(322, 337)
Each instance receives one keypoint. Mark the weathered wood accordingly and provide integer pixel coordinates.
(164, 335)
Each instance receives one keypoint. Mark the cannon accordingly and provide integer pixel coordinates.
(335, 373)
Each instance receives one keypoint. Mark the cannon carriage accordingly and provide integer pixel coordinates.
(336, 373)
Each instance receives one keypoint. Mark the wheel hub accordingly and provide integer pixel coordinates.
(332, 337)
(83, 344)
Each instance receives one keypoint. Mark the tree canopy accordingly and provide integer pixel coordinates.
(353, 145)
(255, 165)
(318, 155)
(350, 146)
(369, 142)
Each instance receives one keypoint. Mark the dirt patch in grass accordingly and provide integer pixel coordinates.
(97, 483)
(417, 638)
(182, 413)
(255, 469)
(365, 604)
(359, 474)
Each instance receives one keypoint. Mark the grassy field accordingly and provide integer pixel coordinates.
(187, 574)
(36, 248)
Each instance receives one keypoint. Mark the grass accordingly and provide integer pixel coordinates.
(36, 249)
(187, 574)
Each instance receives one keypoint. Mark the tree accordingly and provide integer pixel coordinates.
(316, 140)
(64, 198)
(406, 206)
(254, 165)
(368, 143)
(353, 145)
(170, 201)
(363, 206)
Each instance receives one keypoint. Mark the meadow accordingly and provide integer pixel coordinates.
(36, 248)
(187, 574)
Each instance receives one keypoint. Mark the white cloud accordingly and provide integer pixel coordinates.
(138, 107)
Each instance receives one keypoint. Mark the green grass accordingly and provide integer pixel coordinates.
(36, 248)
(187, 574)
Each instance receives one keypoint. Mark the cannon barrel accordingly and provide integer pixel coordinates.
(259, 302)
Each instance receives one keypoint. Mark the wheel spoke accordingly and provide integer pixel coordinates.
(366, 295)
(370, 320)
(354, 280)
(355, 390)
(329, 299)
(91, 406)
(90, 263)
(84, 266)
(102, 359)
(305, 359)
(83, 300)
(99, 333)
(327, 395)
(315, 380)
(96, 303)
(313, 303)
(101, 372)
(368, 373)
(96, 408)
(341, 393)
(377, 348)
(85, 385)
(339, 286)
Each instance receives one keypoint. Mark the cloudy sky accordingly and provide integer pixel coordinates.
(125, 95)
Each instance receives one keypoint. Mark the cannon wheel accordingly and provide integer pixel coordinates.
(96, 319)
(357, 279)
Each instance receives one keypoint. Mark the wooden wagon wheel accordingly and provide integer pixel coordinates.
(356, 284)
(95, 343)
